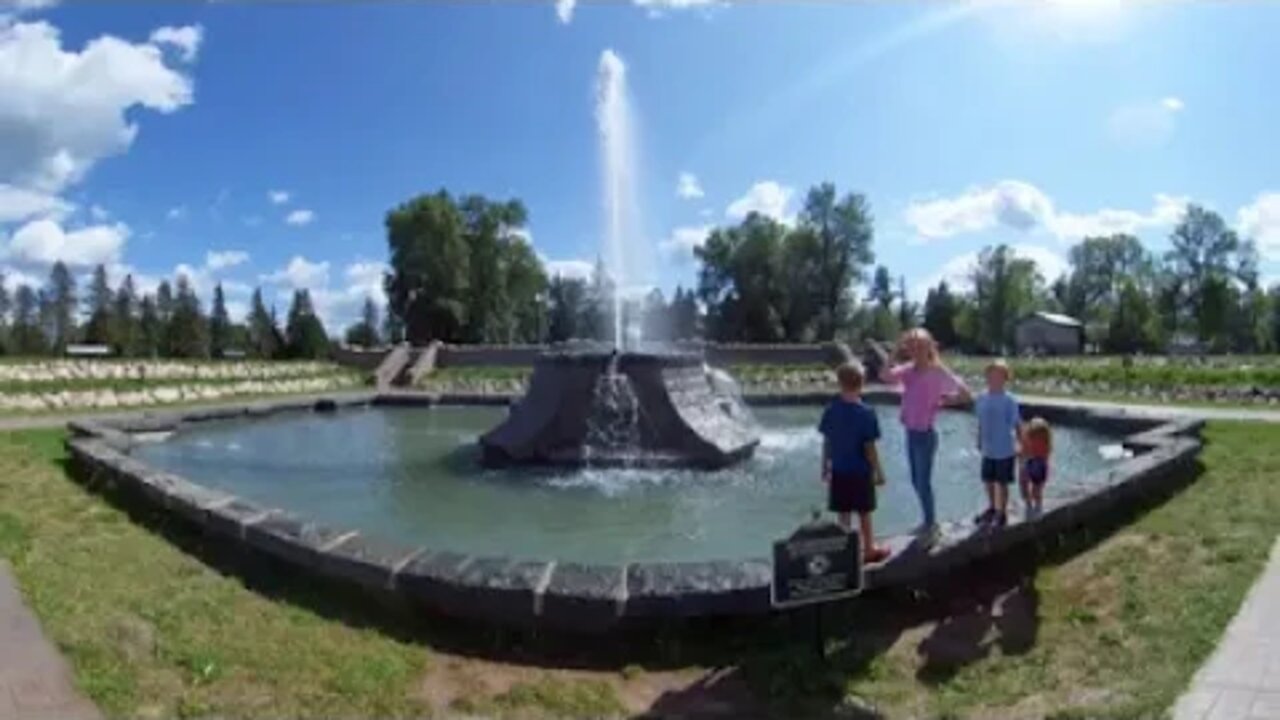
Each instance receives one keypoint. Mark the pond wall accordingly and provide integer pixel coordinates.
(582, 597)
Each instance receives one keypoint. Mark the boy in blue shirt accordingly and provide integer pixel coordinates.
(998, 422)
(850, 463)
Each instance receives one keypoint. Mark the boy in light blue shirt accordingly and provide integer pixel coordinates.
(998, 422)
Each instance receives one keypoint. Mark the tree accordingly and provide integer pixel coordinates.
(1100, 267)
(1133, 326)
(430, 268)
(941, 309)
(60, 304)
(1203, 257)
(305, 337)
(264, 334)
(151, 332)
(164, 302)
(1274, 297)
(568, 301)
(219, 324)
(907, 310)
(598, 320)
(1250, 323)
(883, 323)
(797, 297)
(6, 306)
(124, 318)
(188, 331)
(27, 334)
(740, 282)
(365, 332)
(844, 232)
(684, 312)
(1006, 287)
(98, 305)
(524, 317)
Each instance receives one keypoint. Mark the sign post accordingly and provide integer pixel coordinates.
(819, 563)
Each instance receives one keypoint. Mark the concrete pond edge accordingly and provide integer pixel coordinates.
(583, 597)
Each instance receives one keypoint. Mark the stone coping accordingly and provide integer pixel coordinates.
(583, 597)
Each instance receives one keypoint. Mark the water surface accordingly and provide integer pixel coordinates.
(410, 475)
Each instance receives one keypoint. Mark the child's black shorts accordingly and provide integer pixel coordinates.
(998, 470)
(1037, 470)
(851, 493)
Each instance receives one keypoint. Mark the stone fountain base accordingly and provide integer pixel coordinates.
(624, 409)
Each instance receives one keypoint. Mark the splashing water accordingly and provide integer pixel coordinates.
(615, 122)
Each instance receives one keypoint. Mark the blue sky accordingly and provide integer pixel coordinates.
(152, 136)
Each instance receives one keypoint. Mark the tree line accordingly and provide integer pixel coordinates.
(169, 322)
(462, 270)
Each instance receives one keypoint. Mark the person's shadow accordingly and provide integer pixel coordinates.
(1004, 615)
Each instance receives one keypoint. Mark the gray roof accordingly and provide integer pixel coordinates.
(1056, 319)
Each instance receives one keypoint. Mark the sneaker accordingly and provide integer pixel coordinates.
(928, 535)
(877, 554)
(984, 517)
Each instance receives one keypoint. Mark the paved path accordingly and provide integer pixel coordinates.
(35, 682)
(1225, 412)
(1241, 681)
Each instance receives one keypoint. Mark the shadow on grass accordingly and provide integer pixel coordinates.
(763, 666)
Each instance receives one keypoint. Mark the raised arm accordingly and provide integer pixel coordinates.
(959, 395)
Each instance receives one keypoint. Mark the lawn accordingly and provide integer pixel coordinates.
(157, 623)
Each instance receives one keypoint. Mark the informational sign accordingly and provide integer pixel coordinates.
(819, 563)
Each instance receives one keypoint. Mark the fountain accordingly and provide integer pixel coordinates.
(619, 406)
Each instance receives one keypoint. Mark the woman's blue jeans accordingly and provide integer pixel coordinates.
(921, 447)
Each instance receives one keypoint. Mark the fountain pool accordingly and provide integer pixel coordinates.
(410, 475)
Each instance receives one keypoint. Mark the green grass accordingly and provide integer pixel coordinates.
(1114, 631)
(1159, 372)
(156, 624)
(153, 631)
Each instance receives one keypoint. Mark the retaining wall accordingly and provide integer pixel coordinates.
(589, 597)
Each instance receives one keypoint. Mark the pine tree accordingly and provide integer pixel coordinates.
(188, 330)
(5, 308)
(304, 334)
(365, 332)
(219, 324)
(28, 336)
(264, 335)
(60, 304)
(98, 304)
(125, 321)
(151, 333)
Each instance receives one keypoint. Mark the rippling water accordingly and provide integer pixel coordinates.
(410, 475)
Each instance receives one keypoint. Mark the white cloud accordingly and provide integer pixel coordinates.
(45, 241)
(687, 186)
(176, 213)
(18, 204)
(767, 198)
(564, 10)
(300, 217)
(569, 269)
(220, 260)
(98, 213)
(958, 271)
(1021, 206)
(1145, 125)
(300, 273)
(1260, 220)
(15, 277)
(185, 39)
(278, 197)
(683, 241)
(61, 111)
(657, 7)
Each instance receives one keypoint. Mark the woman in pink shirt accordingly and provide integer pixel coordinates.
(927, 385)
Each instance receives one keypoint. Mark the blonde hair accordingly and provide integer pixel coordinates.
(923, 336)
(1002, 366)
(851, 376)
(1039, 427)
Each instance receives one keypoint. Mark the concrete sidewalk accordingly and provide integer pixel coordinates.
(35, 682)
(1241, 681)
